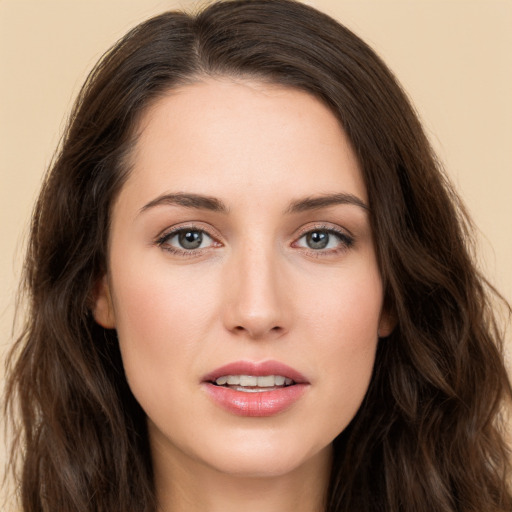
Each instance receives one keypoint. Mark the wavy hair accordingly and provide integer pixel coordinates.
(430, 434)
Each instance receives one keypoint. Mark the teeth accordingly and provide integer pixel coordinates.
(264, 381)
(248, 380)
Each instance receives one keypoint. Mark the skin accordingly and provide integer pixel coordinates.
(254, 290)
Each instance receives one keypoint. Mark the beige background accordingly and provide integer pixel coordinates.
(452, 56)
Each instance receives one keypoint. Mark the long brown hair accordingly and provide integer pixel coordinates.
(430, 435)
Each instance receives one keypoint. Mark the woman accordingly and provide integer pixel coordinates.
(250, 286)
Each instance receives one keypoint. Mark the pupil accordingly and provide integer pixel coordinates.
(317, 239)
(190, 239)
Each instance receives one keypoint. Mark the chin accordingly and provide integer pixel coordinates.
(265, 457)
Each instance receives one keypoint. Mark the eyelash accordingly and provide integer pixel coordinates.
(163, 241)
(345, 241)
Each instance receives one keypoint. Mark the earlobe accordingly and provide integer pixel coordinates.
(102, 309)
(387, 323)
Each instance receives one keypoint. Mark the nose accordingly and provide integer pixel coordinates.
(256, 304)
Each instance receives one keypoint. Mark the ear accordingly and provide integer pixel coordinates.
(102, 309)
(387, 323)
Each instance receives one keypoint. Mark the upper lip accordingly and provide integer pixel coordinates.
(257, 369)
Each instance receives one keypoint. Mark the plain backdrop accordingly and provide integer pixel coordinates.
(452, 56)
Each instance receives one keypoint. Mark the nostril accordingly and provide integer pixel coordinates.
(258, 332)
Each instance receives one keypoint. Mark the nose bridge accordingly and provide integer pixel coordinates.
(255, 304)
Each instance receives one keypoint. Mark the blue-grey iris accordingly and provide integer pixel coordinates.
(190, 239)
(317, 239)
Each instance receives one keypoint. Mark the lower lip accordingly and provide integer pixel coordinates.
(261, 403)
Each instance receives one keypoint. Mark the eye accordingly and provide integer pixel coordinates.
(186, 239)
(325, 240)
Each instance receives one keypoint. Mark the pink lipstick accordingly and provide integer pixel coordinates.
(253, 389)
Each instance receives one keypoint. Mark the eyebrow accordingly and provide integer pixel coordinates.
(324, 201)
(196, 201)
(202, 202)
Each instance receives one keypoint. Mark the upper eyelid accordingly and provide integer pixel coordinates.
(193, 226)
(173, 233)
(162, 241)
(324, 226)
(341, 234)
(215, 236)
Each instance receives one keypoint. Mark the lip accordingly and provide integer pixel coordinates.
(256, 369)
(260, 404)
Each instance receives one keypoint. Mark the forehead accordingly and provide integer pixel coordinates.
(229, 138)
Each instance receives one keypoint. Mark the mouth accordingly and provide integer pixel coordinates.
(253, 383)
(245, 388)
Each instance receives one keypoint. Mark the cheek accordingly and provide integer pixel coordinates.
(345, 322)
(160, 316)
(161, 299)
(346, 308)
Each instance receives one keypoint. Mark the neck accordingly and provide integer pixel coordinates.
(185, 485)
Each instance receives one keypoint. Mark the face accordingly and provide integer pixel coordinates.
(242, 278)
